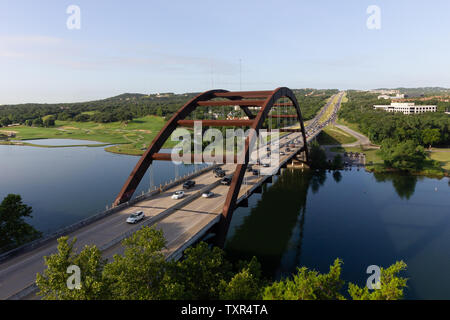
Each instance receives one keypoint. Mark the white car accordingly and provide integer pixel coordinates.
(135, 217)
(178, 195)
(207, 194)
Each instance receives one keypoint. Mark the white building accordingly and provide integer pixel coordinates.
(387, 97)
(406, 108)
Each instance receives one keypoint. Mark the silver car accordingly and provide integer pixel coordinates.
(135, 217)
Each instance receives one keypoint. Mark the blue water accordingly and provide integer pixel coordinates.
(362, 218)
(61, 142)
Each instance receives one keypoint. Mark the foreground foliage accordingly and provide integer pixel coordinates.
(143, 273)
(14, 230)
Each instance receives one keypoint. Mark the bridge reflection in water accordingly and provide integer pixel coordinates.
(273, 229)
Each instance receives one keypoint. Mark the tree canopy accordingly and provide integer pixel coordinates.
(14, 230)
(142, 272)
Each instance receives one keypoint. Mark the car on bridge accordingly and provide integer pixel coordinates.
(219, 173)
(207, 194)
(178, 195)
(135, 217)
(226, 181)
(188, 184)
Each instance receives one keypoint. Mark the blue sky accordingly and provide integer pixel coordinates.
(187, 46)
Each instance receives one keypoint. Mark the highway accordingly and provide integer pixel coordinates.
(183, 221)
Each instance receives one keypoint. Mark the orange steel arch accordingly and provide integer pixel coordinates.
(245, 99)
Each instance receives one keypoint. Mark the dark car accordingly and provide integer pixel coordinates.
(255, 172)
(226, 181)
(188, 184)
(288, 150)
(219, 173)
(249, 168)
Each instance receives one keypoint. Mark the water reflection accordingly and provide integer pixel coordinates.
(318, 178)
(337, 176)
(404, 185)
(275, 225)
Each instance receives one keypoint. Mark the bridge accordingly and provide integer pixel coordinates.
(188, 220)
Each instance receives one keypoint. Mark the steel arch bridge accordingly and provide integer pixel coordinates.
(265, 100)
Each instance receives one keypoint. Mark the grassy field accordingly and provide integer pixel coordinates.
(352, 126)
(442, 157)
(344, 98)
(329, 110)
(129, 138)
(332, 135)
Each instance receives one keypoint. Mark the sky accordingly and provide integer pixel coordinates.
(192, 46)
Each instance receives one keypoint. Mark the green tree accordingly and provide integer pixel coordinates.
(52, 283)
(405, 155)
(337, 162)
(311, 285)
(82, 117)
(139, 273)
(391, 286)
(49, 121)
(14, 231)
(431, 136)
(159, 112)
(317, 156)
(308, 285)
(38, 122)
(201, 272)
(245, 285)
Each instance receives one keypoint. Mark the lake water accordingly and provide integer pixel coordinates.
(61, 142)
(66, 185)
(365, 219)
(300, 219)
